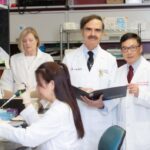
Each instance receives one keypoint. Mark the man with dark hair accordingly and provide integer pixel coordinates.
(92, 68)
(134, 110)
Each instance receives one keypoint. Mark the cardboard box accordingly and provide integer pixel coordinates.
(114, 1)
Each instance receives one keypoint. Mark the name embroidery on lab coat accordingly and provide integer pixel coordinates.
(77, 69)
(146, 83)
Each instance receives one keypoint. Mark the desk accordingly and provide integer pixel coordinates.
(7, 145)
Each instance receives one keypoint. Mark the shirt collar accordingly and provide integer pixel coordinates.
(136, 64)
(85, 51)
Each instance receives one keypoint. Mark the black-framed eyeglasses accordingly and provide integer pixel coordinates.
(132, 48)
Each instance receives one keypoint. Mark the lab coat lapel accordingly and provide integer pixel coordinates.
(33, 64)
(139, 74)
(98, 61)
(81, 60)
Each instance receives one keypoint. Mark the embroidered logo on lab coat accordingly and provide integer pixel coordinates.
(103, 72)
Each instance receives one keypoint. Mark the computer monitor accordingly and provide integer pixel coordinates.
(4, 30)
(14, 104)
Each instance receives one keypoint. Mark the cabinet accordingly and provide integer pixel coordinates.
(48, 22)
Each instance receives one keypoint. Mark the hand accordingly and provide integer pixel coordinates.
(19, 86)
(134, 89)
(96, 103)
(26, 98)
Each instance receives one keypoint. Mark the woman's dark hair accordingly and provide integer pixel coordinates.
(128, 36)
(63, 89)
(87, 19)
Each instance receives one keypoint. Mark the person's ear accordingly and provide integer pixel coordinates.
(52, 84)
(141, 49)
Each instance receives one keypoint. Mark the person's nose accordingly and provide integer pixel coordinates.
(129, 51)
(93, 32)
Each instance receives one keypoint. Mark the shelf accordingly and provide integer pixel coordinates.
(38, 8)
(81, 7)
(110, 6)
(71, 30)
(3, 6)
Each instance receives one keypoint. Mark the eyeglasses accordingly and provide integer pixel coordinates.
(131, 48)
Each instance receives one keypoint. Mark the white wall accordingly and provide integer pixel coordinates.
(48, 23)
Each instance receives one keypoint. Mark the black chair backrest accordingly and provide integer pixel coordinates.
(112, 138)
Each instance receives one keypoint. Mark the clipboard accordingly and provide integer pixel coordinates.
(108, 93)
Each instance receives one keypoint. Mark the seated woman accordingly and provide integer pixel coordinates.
(24, 64)
(60, 128)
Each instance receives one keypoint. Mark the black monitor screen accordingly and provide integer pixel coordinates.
(4, 29)
(15, 104)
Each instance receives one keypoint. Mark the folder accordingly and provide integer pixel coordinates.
(108, 93)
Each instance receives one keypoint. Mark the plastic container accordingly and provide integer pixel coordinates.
(42, 48)
(133, 1)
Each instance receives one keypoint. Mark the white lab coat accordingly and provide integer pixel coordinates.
(134, 113)
(21, 73)
(4, 56)
(101, 74)
(54, 131)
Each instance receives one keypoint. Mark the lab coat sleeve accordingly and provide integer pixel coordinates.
(38, 133)
(113, 71)
(143, 98)
(26, 114)
(6, 81)
(4, 56)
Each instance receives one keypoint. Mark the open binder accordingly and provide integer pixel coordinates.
(108, 94)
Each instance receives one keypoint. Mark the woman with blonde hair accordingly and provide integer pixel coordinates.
(24, 64)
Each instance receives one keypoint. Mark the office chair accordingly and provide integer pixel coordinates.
(112, 138)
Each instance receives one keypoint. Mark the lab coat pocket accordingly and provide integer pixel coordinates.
(104, 77)
(142, 135)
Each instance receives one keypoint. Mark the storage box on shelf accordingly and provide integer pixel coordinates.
(3, 6)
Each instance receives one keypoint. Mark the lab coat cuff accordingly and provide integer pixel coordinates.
(143, 98)
(140, 96)
(28, 111)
